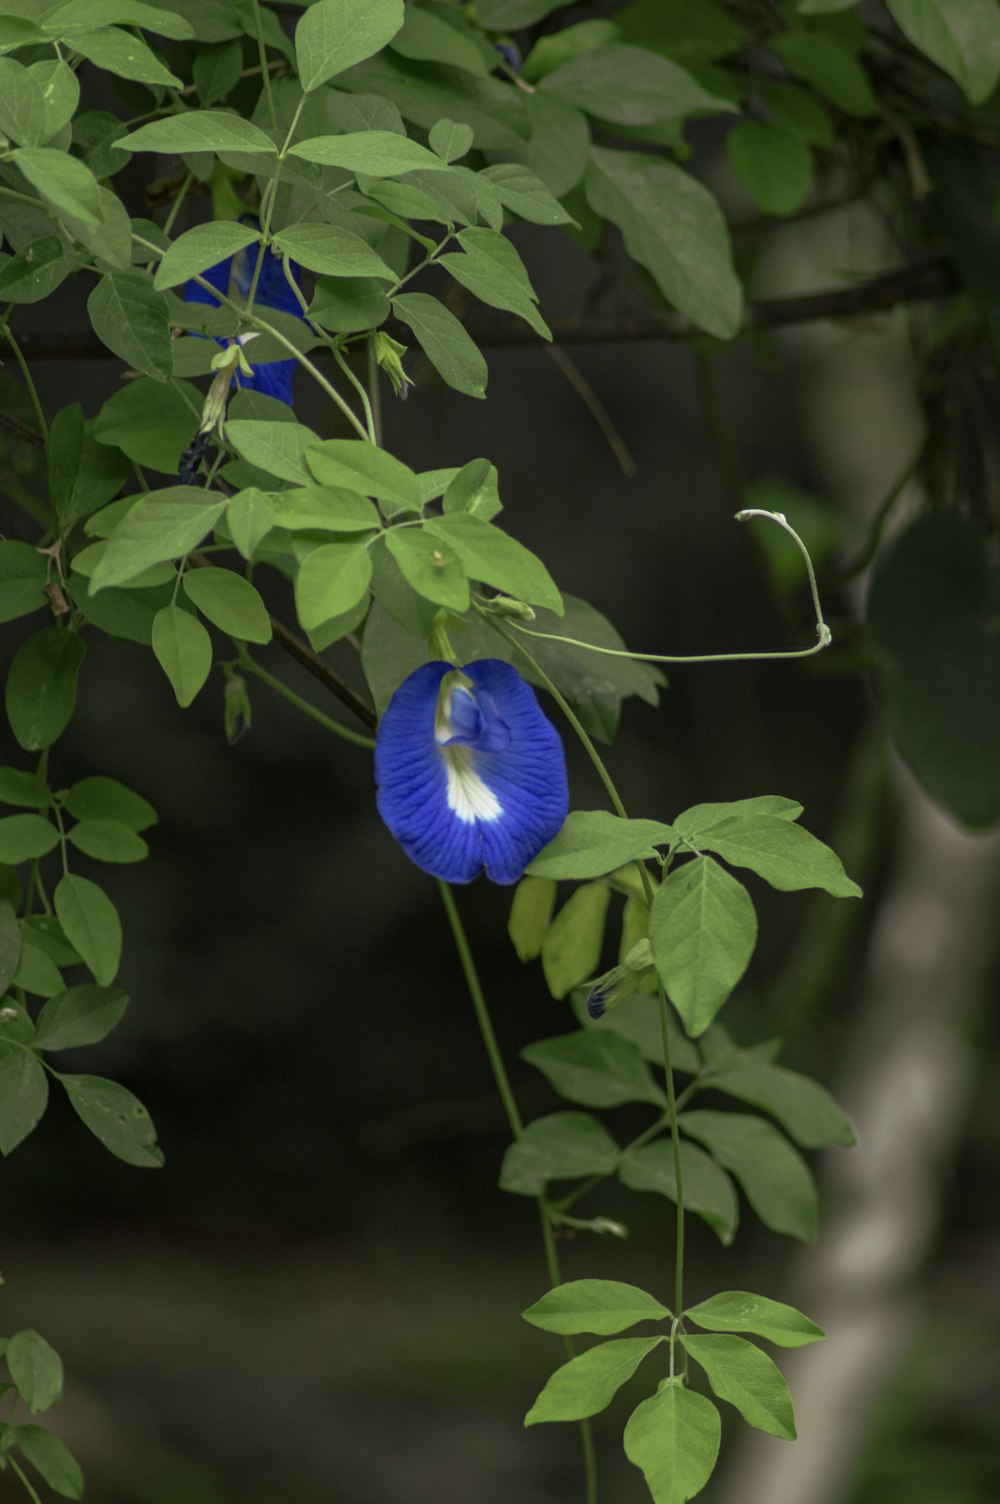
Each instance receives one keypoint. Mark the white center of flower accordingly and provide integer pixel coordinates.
(468, 796)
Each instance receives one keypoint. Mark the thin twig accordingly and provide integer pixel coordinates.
(595, 407)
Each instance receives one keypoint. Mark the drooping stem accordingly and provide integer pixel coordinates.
(618, 806)
(510, 1107)
(25, 1480)
(249, 665)
(28, 380)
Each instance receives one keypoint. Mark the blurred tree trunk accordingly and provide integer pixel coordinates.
(907, 1083)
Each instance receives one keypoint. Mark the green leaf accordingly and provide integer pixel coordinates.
(332, 250)
(216, 70)
(803, 1108)
(637, 1019)
(53, 1459)
(23, 573)
(673, 227)
(60, 94)
(708, 1191)
(430, 37)
(523, 191)
(490, 267)
(774, 166)
(492, 556)
(149, 422)
(83, 475)
(36, 1369)
(589, 1382)
(328, 509)
(630, 86)
(449, 140)
(510, 15)
(740, 1373)
(332, 579)
(183, 650)
(934, 618)
(67, 186)
(161, 525)
(380, 154)
(530, 912)
(738, 1311)
(36, 972)
(473, 489)
(131, 319)
(279, 448)
(125, 55)
(604, 1306)
(598, 1069)
(100, 798)
(198, 249)
(83, 15)
(783, 854)
(442, 337)
(832, 70)
(349, 305)
(362, 467)
(199, 130)
(961, 36)
(117, 1118)
(776, 1179)
(22, 104)
(41, 686)
(694, 822)
(23, 790)
(674, 1439)
(702, 928)
(562, 1146)
(800, 113)
(36, 271)
(249, 517)
(433, 568)
(108, 841)
(24, 837)
(594, 842)
(230, 602)
(10, 944)
(571, 950)
(91, 925)
(24, 1094)
(333, 35)
(79, 1016)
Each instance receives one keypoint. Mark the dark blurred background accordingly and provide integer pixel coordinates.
(317, 1299)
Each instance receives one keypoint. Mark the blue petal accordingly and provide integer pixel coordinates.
(272, 377)
(510, 759)
(273, 290)
(218, 275)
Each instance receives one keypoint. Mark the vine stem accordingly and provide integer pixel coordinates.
(265, 71)
(647, 887)
(19, 1472)
(28, 381)
(246, 662)
(512, 1111)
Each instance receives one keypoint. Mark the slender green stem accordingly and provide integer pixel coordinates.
(510, 1107)
(374, 390)
(482, 1011)
(619, 808)
(267, 202)
(19, 1472)
(264, 70)
(346, 732)
(175, 207)
(28, 381)
(359, 387)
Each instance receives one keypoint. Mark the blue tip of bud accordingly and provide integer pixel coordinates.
(510, 55)
(596, 1005)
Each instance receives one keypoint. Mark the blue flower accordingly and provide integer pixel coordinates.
(471, 774)
(272, 377)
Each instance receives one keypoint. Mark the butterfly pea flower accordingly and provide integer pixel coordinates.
(272, 377)
(471, 774)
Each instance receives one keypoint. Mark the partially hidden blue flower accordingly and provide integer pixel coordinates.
(471, 774)
(272, 377)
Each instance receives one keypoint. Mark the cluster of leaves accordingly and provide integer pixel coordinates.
(36, 1379)
(78, 928)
